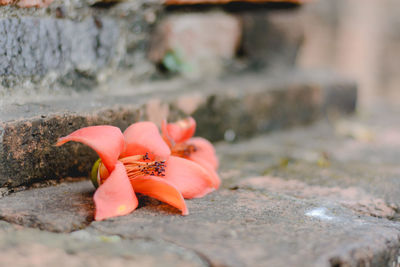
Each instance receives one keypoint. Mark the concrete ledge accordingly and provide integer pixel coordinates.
(232, 108)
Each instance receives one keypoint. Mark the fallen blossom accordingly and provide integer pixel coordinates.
(179, 137)
(138, 161)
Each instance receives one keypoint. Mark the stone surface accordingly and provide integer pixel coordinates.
(272, 39)
(343, 160)
(200, 41)
(244, 228)
(185, 2)
(325, 195)
(72, 46)
(257, 108)
(62, 208)
(221, 107)
(29, 247)
(34, 46)
(350, 197)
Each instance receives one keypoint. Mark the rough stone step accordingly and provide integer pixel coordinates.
(358, 155)
(233, 108)
(243, 227)
(324, 195)
(40, 208)
(72, 47)
(31, 247)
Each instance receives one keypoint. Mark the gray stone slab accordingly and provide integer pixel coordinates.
(62, 208)
(30, 247)
(34, 46)
(241, 106)
(244, 228)
(72, 46)
(359, 153)
(283, 202)
(273, 38)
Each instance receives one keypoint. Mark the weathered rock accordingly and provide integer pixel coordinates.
(28, 247)
(350, 197)
(352, 162)
(235, 107)
(291, 100)
(272, 39)
(34, 46)
(244, 228)
(199, 41)
(185, 2)
(72, 46)
(324, 196)
(62, 208)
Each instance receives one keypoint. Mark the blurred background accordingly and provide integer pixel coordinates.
(358, 38)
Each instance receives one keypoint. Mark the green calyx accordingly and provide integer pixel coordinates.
(93, 173)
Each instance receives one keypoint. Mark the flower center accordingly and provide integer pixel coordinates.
(183, 150)
(140, 165)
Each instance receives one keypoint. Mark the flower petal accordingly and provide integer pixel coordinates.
(204, 151)
(106, 140)
(144, 137)
(211, 170)
(192, 180)
(179, 131)
(160, 189)
(115, 197)
(165, 135)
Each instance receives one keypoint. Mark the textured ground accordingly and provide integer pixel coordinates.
(324, 195)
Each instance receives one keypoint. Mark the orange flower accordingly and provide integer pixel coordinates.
(179, 137)
(138, 161)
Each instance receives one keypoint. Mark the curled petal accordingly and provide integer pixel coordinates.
(115, 197)
(192, 180)
(144, 137)
(106, 140)
(204, 152)
(211, 170)
(179, 131)
(160, 189)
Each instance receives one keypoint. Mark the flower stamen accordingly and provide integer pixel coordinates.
(140, 165)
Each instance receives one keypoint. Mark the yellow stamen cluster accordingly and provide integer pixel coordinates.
(141, 165)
